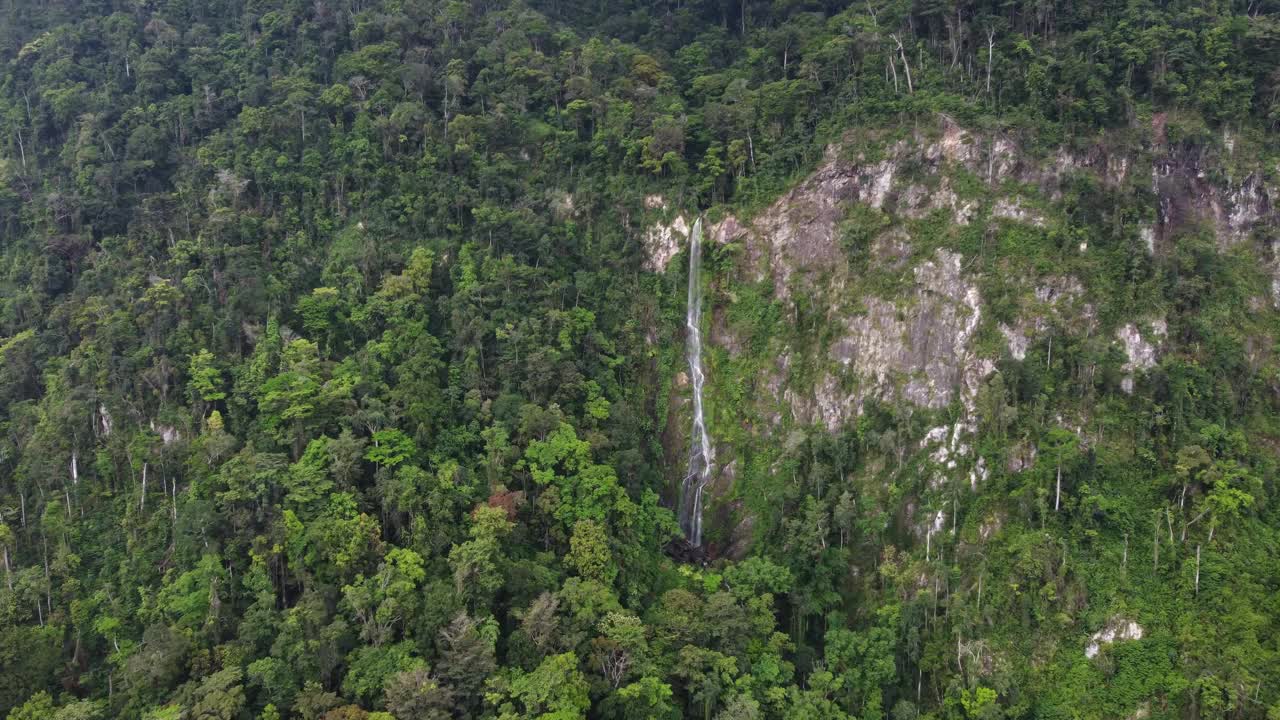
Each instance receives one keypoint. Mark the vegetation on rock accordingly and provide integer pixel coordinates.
(342, 359)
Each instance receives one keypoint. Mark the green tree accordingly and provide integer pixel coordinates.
(555, 689)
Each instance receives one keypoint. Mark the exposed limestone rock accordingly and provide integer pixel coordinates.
(955, 146)
(1057, 299)
(978, 474)
(918, 201)
(168, 433)
(741, 536)
(878, 182)
(919, 351)
(950, 448)
(1275, 272)
(105, 423)
(1238, 210)
(1013, 209)
(1021, 457)
(914, 345)
(722, 334)
(928, 346)
(1058, 289)
(1016, 339)
(938, 436)
(924, 524)
(990, 526)
(563, 204)
(725, 231)
(1117, 630)
(664, 241)
(830, 403)
(1140, 351)
(1185, 195)
(798, 233)
(1147, 234)
(1117, 169)
(892, 250)
(939, 522)
(775, 386)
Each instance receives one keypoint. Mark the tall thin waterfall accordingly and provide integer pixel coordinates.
(700, 454)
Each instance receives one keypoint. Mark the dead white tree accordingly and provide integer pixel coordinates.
(905, 65)
(1155, 539)
(1197, 571)
(991, 50)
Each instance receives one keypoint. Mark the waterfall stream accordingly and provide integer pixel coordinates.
(700, 455)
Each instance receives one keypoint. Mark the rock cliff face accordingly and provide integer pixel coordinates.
(923, 336)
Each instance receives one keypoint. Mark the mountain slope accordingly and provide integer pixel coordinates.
(343, 359)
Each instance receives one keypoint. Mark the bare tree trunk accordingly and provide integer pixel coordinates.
(1155, 539)
(22, 149)
(991, 49)
(1197, 571)
(1057, 493)
(48, 580)
(1183, 513)
(142, 499)
(905, 65)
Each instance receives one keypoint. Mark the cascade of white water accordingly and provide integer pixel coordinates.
(700, 455)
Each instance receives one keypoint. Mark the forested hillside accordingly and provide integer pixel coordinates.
(344, 359)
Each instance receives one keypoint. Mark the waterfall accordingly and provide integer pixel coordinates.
(700, 455)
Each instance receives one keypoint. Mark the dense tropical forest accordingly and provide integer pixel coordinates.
(340, 379)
